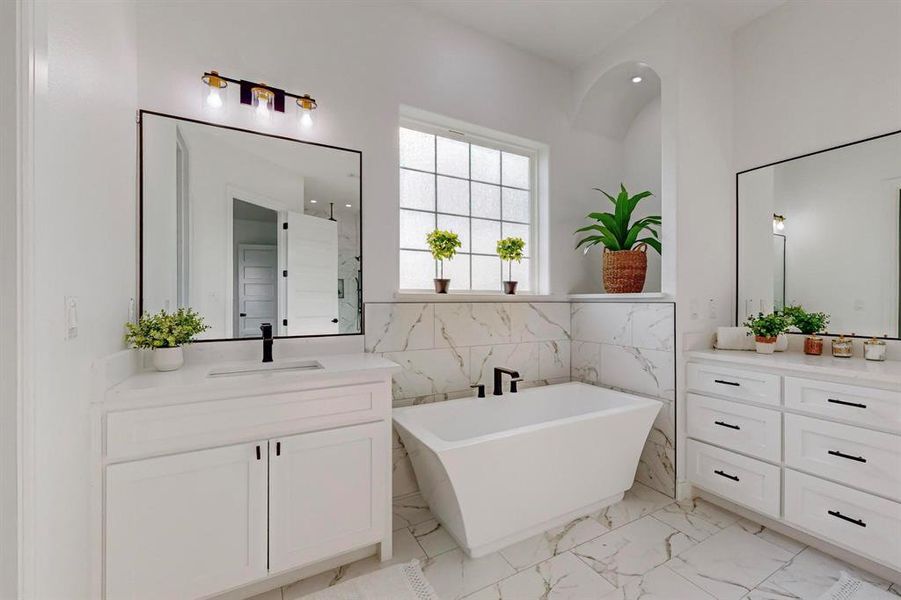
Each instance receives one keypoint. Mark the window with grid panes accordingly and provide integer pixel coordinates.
(481, 192)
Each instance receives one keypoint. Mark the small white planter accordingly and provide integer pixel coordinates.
(168, 359)
(767, 346)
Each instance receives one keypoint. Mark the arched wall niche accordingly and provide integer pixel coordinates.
(629, 112)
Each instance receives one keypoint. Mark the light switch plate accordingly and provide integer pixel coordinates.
(71, 317)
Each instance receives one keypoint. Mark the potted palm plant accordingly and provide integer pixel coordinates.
(810, 324)
(165, 334)
(766, 328)
(443, 245)
(510, 249)
(625, 252)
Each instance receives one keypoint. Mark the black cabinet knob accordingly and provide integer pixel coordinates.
(334, 320)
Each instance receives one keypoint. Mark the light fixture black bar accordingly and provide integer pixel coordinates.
(263, 85)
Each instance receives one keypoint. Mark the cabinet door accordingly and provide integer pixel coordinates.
(327, 493)
(186, 525)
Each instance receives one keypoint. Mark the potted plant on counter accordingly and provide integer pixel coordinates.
(443, 245)
(810, 324)
(165, 334)
(766, 328)
(625, 253)
(510, 249)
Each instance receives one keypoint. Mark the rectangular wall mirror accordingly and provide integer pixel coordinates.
(247, 228)
(822, 230)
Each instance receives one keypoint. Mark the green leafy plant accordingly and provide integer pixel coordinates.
(808, 323)
(769, 325)
(614, 231)
(510, 249)
(165, 330)
(443, 245)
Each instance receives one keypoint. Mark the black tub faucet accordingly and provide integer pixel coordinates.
(266, 328)
(498, 376)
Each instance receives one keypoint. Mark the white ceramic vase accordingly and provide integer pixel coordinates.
(168, 359)
(765, 347)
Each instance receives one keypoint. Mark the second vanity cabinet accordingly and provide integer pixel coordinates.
(810, 442)
(208, 491)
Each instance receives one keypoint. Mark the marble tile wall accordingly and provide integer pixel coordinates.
(444, 348)
(631, 346)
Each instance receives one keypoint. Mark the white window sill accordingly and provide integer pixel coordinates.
(640, 297)
(425, 296)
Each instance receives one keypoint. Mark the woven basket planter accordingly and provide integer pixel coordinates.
(625, 270)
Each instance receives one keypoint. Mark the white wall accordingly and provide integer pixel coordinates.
(83, 243)
(9, 321)
(361, 61)
(810, 75)
(641, 171)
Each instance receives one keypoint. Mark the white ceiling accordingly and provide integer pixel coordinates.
(570, 32)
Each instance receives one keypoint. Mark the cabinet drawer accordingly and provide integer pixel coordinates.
(749, 429)
(738, 478)
(858, 521)
(175, 428)
(867, 406)
(866, 459)
(735, 383)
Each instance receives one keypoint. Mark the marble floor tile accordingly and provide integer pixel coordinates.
(633, 550)
(454, 575)
(764, 533)
(808, 576)
(731, 563)
(433, 538)
(402, 475)
(698, 519)
(656, 468)
(275, 594)
(551, 543)
(636, 503)
(895, 589)
(563, 577)
(658, 584)
(405, 550)
(410, 510)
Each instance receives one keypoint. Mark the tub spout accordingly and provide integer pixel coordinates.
(498, 379)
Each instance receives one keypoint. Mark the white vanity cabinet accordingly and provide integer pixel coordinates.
(812, 442)
(206, 488)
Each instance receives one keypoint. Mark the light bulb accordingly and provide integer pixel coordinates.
(306, 119)
(213, 99)
(780, 225)
(636, 79)
(262, 111)
(349, 205)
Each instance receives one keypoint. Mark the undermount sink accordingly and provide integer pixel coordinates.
(253, 369)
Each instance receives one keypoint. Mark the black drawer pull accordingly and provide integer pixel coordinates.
(258, 453)
(839, 515)
(278, 448)
(730, 426)
(848, 456)
(843, 403)
(724, 382)
(726, 475)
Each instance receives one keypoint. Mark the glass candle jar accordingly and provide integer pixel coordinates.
(842, 347)
(874, 349)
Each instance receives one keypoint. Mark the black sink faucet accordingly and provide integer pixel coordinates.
(266, 328)
(498, 376)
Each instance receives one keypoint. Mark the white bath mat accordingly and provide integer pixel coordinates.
(851, 588)
(400, 582)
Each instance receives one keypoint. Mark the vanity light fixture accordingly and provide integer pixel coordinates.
(349, 205)
(313, 201)
(778, 223)
(264, 99)
(637, 79)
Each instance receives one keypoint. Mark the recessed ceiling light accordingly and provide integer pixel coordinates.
(313, 201)
(636, 79)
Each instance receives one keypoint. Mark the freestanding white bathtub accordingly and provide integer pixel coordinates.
(497, 470)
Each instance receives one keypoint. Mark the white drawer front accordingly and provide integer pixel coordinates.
(869, 460)
(749, 429)
(735, 383)
(175, 428)
(867, 406)
(860, 522)
(738, 478)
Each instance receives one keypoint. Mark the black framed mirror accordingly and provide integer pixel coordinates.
(249, 228)
(822, 230)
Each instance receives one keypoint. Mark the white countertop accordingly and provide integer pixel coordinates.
(884, 374)
(195, 377)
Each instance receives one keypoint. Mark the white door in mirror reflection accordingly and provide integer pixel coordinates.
(312, 287)
(257, 288)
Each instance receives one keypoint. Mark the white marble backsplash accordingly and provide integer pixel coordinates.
(444, 348)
